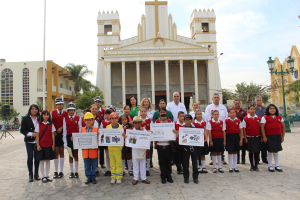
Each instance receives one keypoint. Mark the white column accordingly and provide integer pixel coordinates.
(167, 81)
(181, 81)
(211, 79)
(196, 81)
(107, 96)
(123, 85)
(152, 83)
(138, 82)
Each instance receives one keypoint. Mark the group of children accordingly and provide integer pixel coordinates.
(55, 133)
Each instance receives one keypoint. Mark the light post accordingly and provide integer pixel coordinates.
(282, 73)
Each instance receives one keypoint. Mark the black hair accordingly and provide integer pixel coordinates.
(162, 108)
(108, 111)
(230, 110)
(180, 112)
(29, 111)
(188, 116)
(198, 110)
(162, 100)
(87, 110)
(120, 120)
(268, 108)
(45, 112)
(250, 107)
(135, 101)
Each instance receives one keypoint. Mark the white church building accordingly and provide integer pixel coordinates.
(158, 62)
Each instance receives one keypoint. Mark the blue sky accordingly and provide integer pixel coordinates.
(248, 32)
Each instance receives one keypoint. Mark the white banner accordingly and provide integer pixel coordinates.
(162, 132)
(85, 140)
(138, 139)
(191, 136)
(111, 137)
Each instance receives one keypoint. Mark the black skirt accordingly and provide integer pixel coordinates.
(126, 149)
(232, 142)
(254, 144)
(274, 143)
(69, 142)
(218, 145)
(59, 140)
(46, 154)
(203, 150)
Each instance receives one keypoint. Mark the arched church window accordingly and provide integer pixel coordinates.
(7, 86)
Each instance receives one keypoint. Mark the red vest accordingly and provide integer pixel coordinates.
(177, 126)
(89, 153)
(105, 123)
(146, 124)
(125, 128)
(100, 116)
(232, 126)
(46, 140)
(216, 129)
(57, 119)
(202, 125)
(83, 123)
(273, 126)
(252, 126)
(72, 126)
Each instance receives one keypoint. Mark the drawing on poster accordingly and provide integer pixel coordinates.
(102, 138)
(107, 139)
(195, 138)
(84, 141)
(115, 139)
(132, 139)
(158, 132)
(184, 139)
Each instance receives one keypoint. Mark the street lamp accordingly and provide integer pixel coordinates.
(282, 73)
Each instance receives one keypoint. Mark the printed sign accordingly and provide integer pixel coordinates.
(111, 137)
(191, 136)
(138, 139)
(85, 140)
(162, 132)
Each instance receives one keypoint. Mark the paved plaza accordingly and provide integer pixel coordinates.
(244, 185)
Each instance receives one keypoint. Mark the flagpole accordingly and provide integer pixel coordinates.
(44, 61)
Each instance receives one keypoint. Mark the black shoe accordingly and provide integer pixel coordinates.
(88, 181)
(49, 179)
(271, 169)
(76, 175)
(44, 180)
(130, 173)
(36, 177)
(102, 166)
(55, 175)
(186, 180)
(60, 175)
(238, 162)
(107, 173)
(220, 170)
(126, 168)
(243, 162)
(170, 180)
(98, 173)
(265, 161)
(252, 169)
(236, 170)
(123, 173)
(196, 181)
(230, 170)
(163, 181)
(179, 171)
(30, 178)
(256, 169)
(278, 169)
(71, 175)
(94, 181)
(151, 165)
(147, 173)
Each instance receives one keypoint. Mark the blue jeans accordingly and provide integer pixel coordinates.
(90, 167)
(31, 153)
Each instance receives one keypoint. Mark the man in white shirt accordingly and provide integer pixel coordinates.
(175, 106)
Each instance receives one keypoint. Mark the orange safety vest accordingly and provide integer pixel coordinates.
(89, 153)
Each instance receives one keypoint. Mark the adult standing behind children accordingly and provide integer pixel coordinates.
(197, 107)
(175, 106)
(162, 103)
(147, 104)
(134, 109)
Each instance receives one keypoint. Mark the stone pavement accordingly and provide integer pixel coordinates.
(244, 185)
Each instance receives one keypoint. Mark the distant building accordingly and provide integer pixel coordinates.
(22, 84)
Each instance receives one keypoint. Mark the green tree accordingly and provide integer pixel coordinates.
(294, 88)
(86, 99)
(78, 72)
(12, 113)
(40, 105)
(227, 95)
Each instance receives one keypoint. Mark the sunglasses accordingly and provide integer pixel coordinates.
(187, 120)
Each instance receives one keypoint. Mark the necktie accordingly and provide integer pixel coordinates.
(71, 118)
(59, 113)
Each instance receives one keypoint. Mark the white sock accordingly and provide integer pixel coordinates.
(197, 163)
(107, 160)
(76, 166)
(42, 168)
(71, 168)
(148, 164)
(203, 163)
(62, 162)
(276, 158)
(234, 160)
(56, 165)
(47, 167)
(230, 160)
(270, 159)
(129, 163)
(214, 160)
(123, 163)
(219, 161)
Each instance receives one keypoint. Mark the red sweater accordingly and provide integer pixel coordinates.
(72, 126)
(99, 116)
(273, 125)
(252, 126)
(216, 129)
(146, 124)
(46, 140)
(232, 126)
(105, 123)
(57, 119)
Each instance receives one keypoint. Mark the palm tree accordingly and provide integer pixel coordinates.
(78, 72)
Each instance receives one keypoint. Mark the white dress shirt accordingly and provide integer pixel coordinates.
(29, 134)
(175, 109)
(263, 119)
(65, 128)
(37, 127)
(208, 125)
(240, 126)
(223, 114)
(249, 116)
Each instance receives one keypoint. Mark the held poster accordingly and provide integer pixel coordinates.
(162, 132)
(111, 137)
(138, 139)
(85, 140)
(191, 136)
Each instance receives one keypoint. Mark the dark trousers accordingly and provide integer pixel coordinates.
(101, 155)
(178, 159)
(151, 154)
(188, 151)
(31, 154)
(164, 161)
(243, 150)
(90, 167)
(264, 154)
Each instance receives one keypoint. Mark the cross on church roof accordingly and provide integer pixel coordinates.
(156, 3)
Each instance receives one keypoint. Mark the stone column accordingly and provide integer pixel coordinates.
(181, 81)
(152, 83)
(167, 81)
(107, 95)
(211, 79)
(138, 82)
(196, 81)
(123, 84)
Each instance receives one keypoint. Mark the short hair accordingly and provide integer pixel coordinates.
(214, 112)
(162, 100)
(107, 112)
(258, 97)
(180, 112)
(143, 107)
(268, 108)
(250, 107)
(196, 102)
(231, 110)
(176, 92)
(162, 108)
(237, 100)
(87, 110)
(216, 94)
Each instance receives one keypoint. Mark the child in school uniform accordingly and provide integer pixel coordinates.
(178, 153)
(126, 151)
(216, 130)
(146, 124)
(83, 121)
(273, 132)
(115, 152)
(71, 124)
(252, 136)
(104, 124)
(234, 138)
(199, 123)
(90, 155)
(57, 120)
(45, 143)
(139, 166)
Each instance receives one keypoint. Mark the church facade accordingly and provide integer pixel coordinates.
(158, 62)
